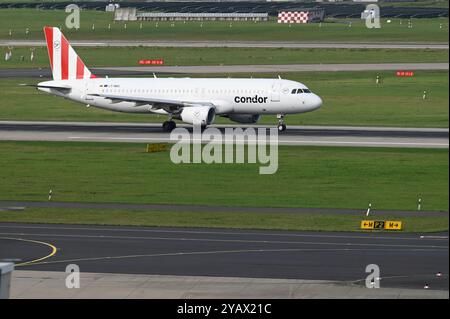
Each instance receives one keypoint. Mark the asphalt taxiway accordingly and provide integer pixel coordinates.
(295, 135)
(228, 69)
(405, 260)
(233, 44)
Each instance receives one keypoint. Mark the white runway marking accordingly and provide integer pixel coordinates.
(435, 237)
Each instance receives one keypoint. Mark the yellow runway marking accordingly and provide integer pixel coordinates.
(26, 263)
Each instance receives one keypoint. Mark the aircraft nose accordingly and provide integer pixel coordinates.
(316, 101)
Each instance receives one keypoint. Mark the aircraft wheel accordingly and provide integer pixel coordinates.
(281, 127)
(169, 126)
(172, 125)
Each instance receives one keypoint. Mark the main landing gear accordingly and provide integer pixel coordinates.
(281, 125)
(169, 126)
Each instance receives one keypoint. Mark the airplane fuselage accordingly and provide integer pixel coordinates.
(227, 95)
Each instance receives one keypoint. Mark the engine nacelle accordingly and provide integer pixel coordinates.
(199, 115)
(244, 118)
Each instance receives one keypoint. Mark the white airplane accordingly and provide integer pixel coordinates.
(191, 100)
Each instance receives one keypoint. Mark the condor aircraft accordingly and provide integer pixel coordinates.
(191, 100)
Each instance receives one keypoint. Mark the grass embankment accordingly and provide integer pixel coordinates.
(241, 220)
(307, 177)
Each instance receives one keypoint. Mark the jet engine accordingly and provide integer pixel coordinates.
(200, 115)
(244, 118)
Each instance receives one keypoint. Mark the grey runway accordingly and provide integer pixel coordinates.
(405, 260)
(295, 135)
(227, 69)
(233, 44)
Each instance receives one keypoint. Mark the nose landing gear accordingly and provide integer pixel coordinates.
(281, 125)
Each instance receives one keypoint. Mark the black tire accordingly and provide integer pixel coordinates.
(168, 126)
(172, 126)
(281, 128)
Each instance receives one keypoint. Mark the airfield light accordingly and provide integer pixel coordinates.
(368, 209)
(424, 96)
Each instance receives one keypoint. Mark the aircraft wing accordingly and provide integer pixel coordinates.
(171, 106)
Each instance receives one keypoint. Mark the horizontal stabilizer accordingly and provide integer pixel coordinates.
(55, 87)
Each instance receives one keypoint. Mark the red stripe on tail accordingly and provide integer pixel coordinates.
(64, 58)
(80, 68)
(49, 37)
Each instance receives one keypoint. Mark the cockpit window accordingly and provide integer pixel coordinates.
(298, 91)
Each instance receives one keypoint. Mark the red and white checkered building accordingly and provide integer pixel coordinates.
(306, 16)
(293, 17)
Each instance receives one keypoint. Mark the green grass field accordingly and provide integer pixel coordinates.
(307, 177)
(17, 20)
(350, 98)
(129, 56)
(416, 4)
(241, 220)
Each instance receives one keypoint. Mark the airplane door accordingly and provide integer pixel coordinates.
(275, 93)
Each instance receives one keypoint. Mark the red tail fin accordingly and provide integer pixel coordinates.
(65, 63)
